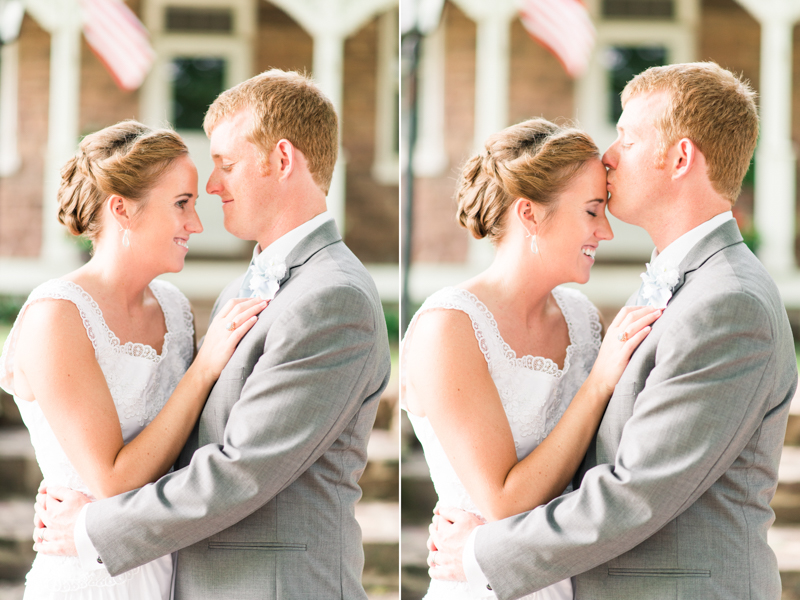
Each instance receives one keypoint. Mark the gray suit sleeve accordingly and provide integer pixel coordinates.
(303, 391)
(704, 399)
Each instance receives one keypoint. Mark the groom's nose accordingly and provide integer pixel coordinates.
(213, 186)
(610, 157)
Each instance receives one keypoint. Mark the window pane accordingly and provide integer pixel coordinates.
(623, 63)
(187, 19)
(638, 9)
(196, 82)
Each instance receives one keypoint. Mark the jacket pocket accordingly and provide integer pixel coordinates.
(650, 572)
(261, 546)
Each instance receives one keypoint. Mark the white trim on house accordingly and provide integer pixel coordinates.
(62, 19)
(10, 160)
(199, 280)
(776, 160)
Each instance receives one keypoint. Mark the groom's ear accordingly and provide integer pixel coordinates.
(682, 157)
(285, 158)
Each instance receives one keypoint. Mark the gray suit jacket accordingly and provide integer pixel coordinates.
(262, 502)
(675, 489)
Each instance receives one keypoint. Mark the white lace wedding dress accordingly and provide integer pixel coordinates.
(533, 390)
(140, 381)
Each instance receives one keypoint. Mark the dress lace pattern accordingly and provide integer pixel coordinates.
(533, 390)
(140, 381)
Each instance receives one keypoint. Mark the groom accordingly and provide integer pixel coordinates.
(675, 489)
(261, 504)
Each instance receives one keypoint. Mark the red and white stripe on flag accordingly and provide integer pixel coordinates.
(119, 40)
(564, 28)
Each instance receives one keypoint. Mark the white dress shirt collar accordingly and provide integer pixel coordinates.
(281, 247)
(680, 248)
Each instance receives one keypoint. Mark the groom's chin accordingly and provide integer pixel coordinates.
(618, 214)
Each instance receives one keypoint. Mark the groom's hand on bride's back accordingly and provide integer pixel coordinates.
(449, 531)
(57, 510)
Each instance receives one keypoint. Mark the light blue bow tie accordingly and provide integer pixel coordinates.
(658, 281)
(263, 278)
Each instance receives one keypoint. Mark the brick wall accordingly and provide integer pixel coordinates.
(281, 43)
(372, 223)
(102, 103)
(539, 86)
(436, 236)
(21, 193)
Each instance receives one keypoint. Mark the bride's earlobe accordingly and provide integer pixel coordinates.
(118, 208)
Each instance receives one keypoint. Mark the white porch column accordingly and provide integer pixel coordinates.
(9, 117)
(61, 18)
(330, 23)
(491, 63)
(430, 155)
(491, 84)
(775, 189)
(328, 69)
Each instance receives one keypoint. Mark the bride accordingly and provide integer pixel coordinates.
(504, 377)
(100, 361)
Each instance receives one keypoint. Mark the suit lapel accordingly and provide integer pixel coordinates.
(323, 236)
(723, 236)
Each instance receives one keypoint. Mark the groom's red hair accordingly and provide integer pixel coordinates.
(285, 105)
(710, 106)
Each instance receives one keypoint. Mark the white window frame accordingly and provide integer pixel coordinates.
(236, 49)
(678, 36)
(386, 164)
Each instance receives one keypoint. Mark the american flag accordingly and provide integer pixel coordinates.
(563, 27)
(119, 40)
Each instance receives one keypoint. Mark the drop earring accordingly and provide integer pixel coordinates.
(534, 245)
(126, 236)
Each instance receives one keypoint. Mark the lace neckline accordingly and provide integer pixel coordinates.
(135, 349)
(530, 362)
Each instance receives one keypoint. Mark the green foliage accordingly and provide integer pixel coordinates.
(9, 308)
(391, 313)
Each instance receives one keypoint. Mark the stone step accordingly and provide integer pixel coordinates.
(16, 543)
(19, 473)
(792, 437)
(380, 529)
(786, 502)
(380, 478)
(417, 495)
(9, 413)
(12, 590)
(414, 578)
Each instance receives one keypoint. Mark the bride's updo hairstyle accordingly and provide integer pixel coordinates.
(535, 159)
(125, 159)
